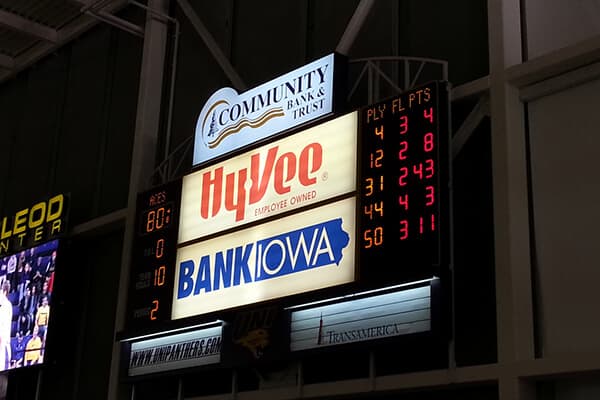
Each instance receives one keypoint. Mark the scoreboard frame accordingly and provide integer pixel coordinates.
(152, 270)
(404, 186)
(408, 180)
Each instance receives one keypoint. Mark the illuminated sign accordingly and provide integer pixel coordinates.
(310, 250)
(153, 255)
(33, 225)
(183, 350)
(311, 166)
(405, 185)
(27, 283)
(397, 313)
(229, 121)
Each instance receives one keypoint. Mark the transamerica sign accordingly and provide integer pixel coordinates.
(229, 121)
(311, 166)
(380, 316)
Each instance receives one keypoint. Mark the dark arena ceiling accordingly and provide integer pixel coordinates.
(31, 29)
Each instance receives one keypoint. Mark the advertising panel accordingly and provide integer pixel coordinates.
(183, 350)
(229, 121)
(380, 316)
(307, 251)
(33, 225)
(310, 166)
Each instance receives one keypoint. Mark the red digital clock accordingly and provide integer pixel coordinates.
(404, 185)
(153, 257)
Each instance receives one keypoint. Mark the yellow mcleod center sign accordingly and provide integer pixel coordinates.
(29, 226)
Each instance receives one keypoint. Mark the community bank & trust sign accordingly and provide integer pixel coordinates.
(229, 121)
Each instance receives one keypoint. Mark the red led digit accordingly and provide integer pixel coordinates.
(154, 309)
(378, 236)
(422, 224)
(429, 168)
(367, 238)
(376, 159)
(429, 195)
(373, 237)
(369, 186)
(160, 218)
(428, 142)
(150, 221)
(403, 148)
(418, 170)
(160, 248)
(368, 210)
(159, 275)
(404, 174)
(403, 229)
(428, 115)
(403, 201)
(379, 208)
(403, 124)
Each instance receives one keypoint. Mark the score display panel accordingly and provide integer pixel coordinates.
(404, 194)
(152, 273)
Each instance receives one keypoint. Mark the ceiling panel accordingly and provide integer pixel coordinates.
(30, 29)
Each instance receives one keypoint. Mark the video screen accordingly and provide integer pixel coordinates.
(26, 283)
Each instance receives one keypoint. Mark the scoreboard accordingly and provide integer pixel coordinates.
(153, 256)
(404, 185)
(402, 207)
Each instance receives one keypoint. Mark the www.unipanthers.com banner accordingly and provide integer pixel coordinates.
(183, 350)
(303, 252)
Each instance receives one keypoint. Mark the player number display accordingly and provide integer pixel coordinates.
(404, 184)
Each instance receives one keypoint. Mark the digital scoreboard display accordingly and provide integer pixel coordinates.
(402, 211)
(153, 256)
(404, 185)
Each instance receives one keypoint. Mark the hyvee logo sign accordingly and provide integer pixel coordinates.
(302, 169)
(230, 120)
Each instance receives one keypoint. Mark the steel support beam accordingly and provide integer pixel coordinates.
(117, 22)
(143, 157)
(464, 133)
(212, 45)
(6, 62)
(28, 27)
(353, 27)
(66, 34)
(512, 247)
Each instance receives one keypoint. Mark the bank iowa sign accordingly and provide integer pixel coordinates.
(229, 121)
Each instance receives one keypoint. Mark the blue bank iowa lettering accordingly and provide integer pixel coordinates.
(312, 247)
